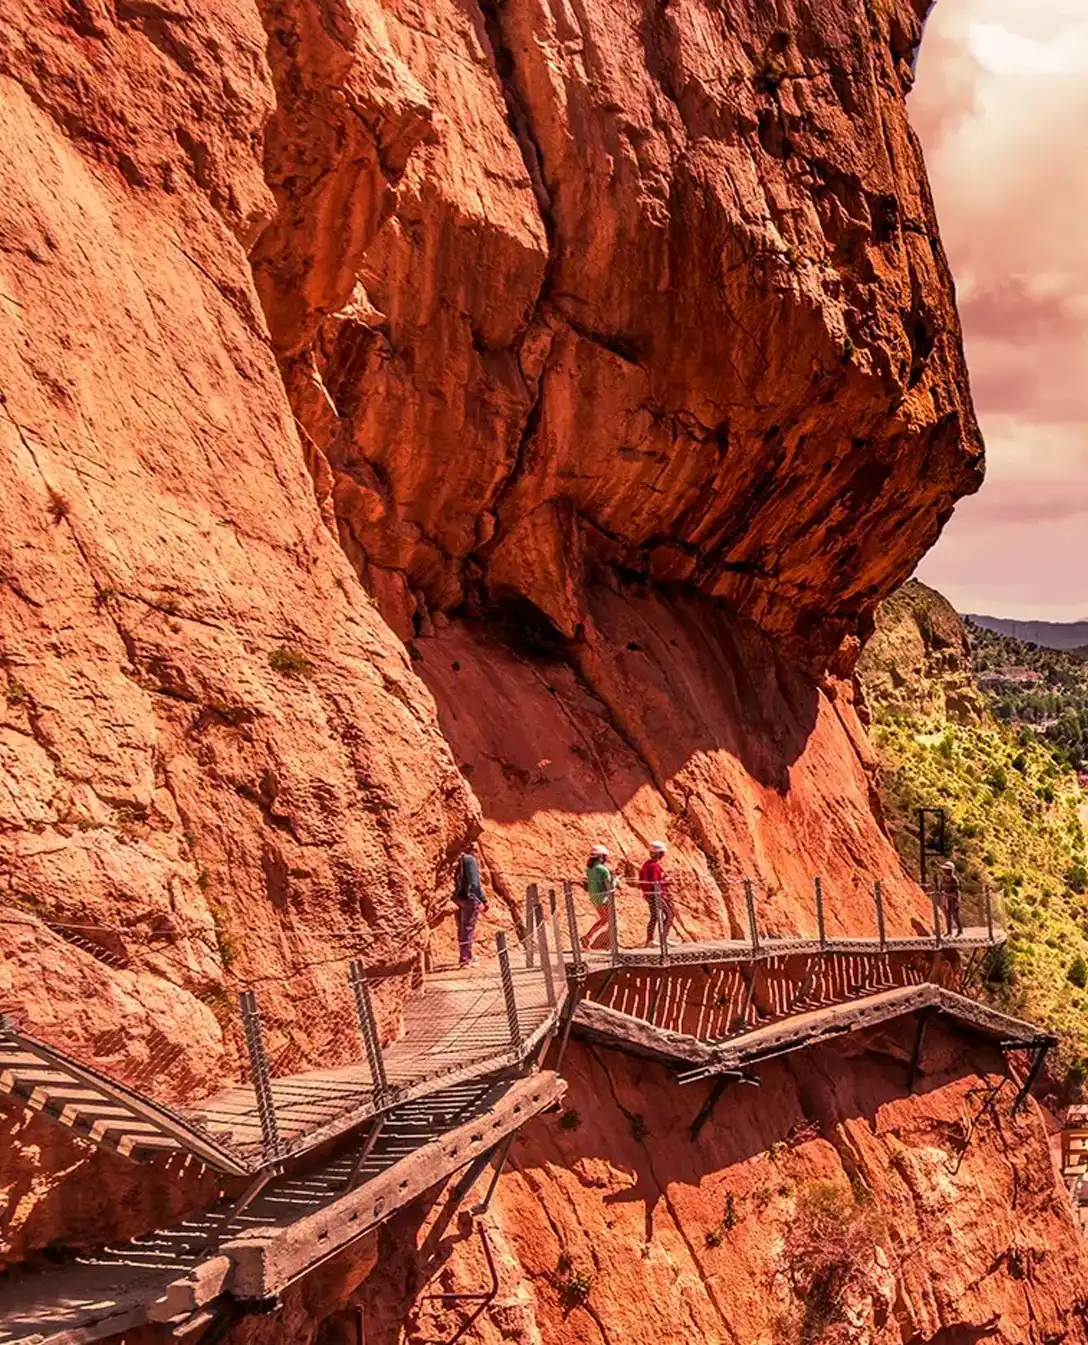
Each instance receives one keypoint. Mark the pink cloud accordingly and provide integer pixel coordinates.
(1001, 106)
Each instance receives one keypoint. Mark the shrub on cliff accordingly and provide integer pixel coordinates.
(829, 1245)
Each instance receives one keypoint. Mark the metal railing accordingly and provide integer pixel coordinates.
(754, 919)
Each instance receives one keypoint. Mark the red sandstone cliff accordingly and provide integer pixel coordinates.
(603, 353)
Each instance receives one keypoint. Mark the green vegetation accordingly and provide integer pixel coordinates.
(830, 1237)
(1015, 818)
(1045, 690)
(59, 508)
(290, 662)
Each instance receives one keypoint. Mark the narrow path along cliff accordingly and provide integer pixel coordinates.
(496, 418)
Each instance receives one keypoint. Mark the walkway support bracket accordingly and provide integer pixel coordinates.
(916, 1054)
(1042, 1046)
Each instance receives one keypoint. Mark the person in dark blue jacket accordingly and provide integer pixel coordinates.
(468, 894)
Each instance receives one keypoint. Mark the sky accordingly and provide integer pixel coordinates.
(1001, 107)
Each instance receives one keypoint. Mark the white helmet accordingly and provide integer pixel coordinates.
(660, 847)
(599, 852)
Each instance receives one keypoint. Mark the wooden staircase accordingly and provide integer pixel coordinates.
(99, 1109)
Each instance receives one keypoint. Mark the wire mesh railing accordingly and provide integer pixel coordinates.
(380, 1039)
(752, 922)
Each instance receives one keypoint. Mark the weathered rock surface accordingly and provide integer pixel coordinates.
(209, 817)
(919, 660)
(826, 1205)
(661, 287)
(605, 353)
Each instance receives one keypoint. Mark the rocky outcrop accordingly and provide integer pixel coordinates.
(215, 761)
(662, 290)
(918, 662)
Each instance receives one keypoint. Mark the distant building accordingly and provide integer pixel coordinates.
(1010, 679)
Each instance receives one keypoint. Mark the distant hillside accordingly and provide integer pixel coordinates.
(985, 727)
(1050, 634)
(1042, 688)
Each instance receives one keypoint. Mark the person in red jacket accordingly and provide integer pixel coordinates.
(655, 885)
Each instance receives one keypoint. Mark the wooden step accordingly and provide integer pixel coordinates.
(132, 1144)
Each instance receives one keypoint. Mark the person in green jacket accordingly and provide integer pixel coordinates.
(601, 887)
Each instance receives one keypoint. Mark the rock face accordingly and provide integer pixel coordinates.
(661, 290)
(596, 362)
(826, 1205)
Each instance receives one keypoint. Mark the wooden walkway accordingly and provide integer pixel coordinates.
(609, 1027)
(712, 952)
(176, 1274)
(457, 1028)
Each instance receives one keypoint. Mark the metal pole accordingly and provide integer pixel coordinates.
(989, 912)
(750, 900)
(921, 846)
(532, 900)
(572, 922)
(368, 1026)
(662, 933)
(613, 927)
(262, 1085)
(545, 960)
(936, 918)
(557, 933)
(508, 990)
(878, 897)
(818, 886)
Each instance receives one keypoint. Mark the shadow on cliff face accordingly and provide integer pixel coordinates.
(667, 717)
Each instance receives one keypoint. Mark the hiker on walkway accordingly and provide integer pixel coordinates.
(602, 888)
(948, 885)
(656, 884)
(468, 894)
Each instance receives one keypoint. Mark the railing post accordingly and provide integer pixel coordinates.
(557, 931)
(545, 960)
(572, 924)
(613, 928)
(936, 916)
(532, 900)
(878, 897)
(262, 1084)
(662, 932)
(507, 978)
(989, 912)
(818, 886)
(750, 901)
(368, 1026)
